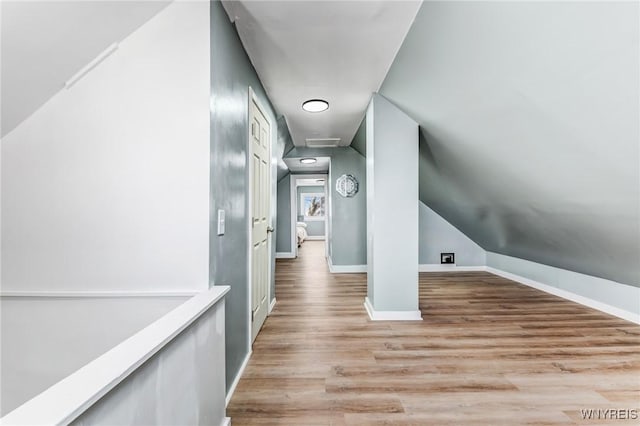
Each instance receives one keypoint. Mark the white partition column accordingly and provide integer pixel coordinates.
(392, 213)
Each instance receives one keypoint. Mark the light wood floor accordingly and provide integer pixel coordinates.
(488, 352)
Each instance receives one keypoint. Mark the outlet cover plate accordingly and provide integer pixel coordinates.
(447, 258)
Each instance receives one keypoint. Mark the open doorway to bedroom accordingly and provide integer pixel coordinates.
(310, 209)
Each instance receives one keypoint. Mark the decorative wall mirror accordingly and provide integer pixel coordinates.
(347, 185)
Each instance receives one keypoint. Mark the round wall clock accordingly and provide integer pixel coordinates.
(347, 185)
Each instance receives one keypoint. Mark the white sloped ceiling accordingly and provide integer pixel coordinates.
(334, 50)
(44, 43)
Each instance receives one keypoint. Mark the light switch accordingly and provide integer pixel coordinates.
(220, 222)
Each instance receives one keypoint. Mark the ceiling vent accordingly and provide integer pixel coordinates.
(322, 142)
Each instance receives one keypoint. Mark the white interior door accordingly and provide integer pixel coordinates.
(260, 135)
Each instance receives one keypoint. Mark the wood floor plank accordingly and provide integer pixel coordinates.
(628, 396)
(453, 418)
(488, 352)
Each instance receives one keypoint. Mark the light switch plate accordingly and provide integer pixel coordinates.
(220, 222)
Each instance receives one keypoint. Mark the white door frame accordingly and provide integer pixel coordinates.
(249, 200)
(294, 208)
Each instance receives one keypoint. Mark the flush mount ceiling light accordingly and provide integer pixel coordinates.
(308, 160)
(315, 105)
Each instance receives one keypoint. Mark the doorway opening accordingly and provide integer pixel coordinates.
(310, 210)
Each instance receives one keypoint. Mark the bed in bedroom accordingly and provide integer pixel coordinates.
(301, 232)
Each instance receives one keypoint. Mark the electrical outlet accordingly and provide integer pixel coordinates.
(447, 258)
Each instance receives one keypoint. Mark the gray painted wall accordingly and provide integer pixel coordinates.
(436, 236)
(359, 142)
(315, 228)
(348, 235)
(620, 296)
(282, 144)
(349, 223)
(231, 76)
(283, 224)
(285, 144)
(529, 127)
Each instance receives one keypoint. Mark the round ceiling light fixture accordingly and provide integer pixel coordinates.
(308, 160)
(315, 105)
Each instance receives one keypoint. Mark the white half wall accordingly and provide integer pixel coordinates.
(182, 384)
(106, 187)
(44, 339)
(618, 299)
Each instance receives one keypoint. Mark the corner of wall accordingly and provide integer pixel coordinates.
(437, 235)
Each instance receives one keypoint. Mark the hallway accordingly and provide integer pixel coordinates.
(489, 351)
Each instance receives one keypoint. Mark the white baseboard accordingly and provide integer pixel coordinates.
(346, 269)
(272, 305)
(435, 267)
(391, 315)
(226, 421)
(285, 255)
(314, 238)
(582, 300)
(612, 287)
(99, 294)
(237, 379)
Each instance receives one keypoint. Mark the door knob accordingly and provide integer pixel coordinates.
(269, 229)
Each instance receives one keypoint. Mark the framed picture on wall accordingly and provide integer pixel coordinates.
(312, 205)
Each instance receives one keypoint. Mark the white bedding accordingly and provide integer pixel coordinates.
(301, 232)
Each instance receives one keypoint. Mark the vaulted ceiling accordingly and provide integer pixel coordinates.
(44, 43)
(529, 116)
(528, 110)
